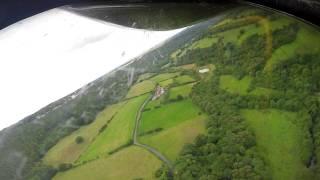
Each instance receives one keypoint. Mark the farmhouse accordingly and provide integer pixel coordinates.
(158, 92)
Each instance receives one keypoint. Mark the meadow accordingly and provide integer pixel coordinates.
(67, 150)
(170, 141)
(164, 76)
(233, 85)
(118, 133)
(183, 90)
(129, 163)
(280, 141)
(305, 43)
(141, 88)
(168, 115)
(145, 76)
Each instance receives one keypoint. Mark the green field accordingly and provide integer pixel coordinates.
(164, 76)
(141, 88)
(233, 85)
(170, 141)
(168, 115)
(249, 31)
(281, 22)
(204, 43)
(166, 83)
(145, 76)
(259, 91)
(186, 66)
(154, 103)
(130, 163)
(184, 79)
(305, 43)
(183, 90)
(119, 131)
(279, 141)
(67, 150)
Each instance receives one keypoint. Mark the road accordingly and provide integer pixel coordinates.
(148, 148)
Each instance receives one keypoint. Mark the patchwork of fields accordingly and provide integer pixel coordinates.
(172, 120)
(107, 145)
(118, 133)
(68, 151)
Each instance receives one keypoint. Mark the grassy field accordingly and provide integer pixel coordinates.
(168, 115)
(249, 31)
(170, 141)
(279, 141)
(183, 90)
(145, 76)
(130, 163)
(259, 91)
(67, 150)
(280, 23)
(164, 76)
(186, 66)
(233, 85)
(141, 88)
(119, 131)
(234, 35)
(307, 41)
(204, 43)
(184, 79)
(166, 83)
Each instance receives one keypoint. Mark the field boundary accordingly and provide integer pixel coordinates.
(144, 146)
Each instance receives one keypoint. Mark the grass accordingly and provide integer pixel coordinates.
(168, 115)
(130, 163)
(307, 42)
(119, 131)
(233, 85)
(67, 150)
(259, 91)
(166, 83)
(164, 76)
(279, 141)
(184, 91)
(141, 88)
(280, 22)
(249, 30)
(184, 79)
(187, 66)
(145, 76)
(154, 103)
(204, 43)
(171, 141)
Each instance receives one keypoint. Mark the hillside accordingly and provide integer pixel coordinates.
(232, 97)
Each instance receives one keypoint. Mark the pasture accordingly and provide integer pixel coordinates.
(171, 141)
(183, 90)
(164, 76)
(130, 163)
(168, 115)
(280, 141)
(141, 88)
(67, 150)
(118, 132)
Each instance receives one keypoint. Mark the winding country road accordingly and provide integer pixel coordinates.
(149, 148)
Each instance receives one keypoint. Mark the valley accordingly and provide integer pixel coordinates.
(231, 97)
